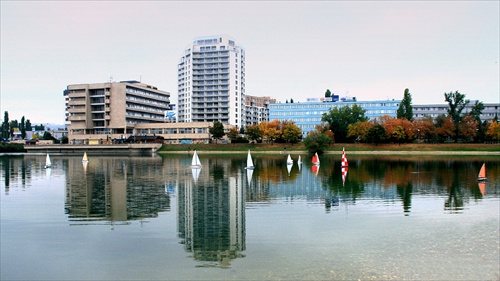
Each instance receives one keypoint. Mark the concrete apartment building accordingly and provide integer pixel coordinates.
(257, 109)
(491, 110)
(112, 110)
(211, 82)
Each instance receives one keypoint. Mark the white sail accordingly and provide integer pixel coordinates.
(48, 163)
(289, 160)
(289, 168)
(196, 173)
(249, 175)
(300, 160)
(195, 162)
(85, 159)
(249, 161)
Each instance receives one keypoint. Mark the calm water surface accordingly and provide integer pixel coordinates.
(389, 218)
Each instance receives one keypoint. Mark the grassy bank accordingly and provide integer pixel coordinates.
(280, 147)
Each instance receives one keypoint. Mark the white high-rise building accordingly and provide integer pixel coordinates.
(211, 82)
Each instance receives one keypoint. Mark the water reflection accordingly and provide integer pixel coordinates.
(211, 212)
(115, 189)
(211, 201)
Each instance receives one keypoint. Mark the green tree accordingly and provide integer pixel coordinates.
(339, 119)
(292, 133)
(316, 142)
(254, 132)
(5, 126)
(376, 134)
(13, 125)
(48, 136)
(328, 93)
(28, 125)
(476, 111)
(457, 103)
(405, 110)
(217, 131)
(22, 128)
(398, 134)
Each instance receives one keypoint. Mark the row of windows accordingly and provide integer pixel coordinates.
(329, 105)
(146, 93)
(298, 113)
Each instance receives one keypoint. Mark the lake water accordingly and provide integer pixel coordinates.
(147, 218)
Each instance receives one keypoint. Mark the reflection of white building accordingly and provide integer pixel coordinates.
(212, 214)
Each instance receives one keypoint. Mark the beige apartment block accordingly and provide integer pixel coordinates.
(112, 110)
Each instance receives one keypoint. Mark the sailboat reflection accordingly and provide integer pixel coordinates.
(211, 215)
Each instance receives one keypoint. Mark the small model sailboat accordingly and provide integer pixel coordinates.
(48, 163)
(195, 162)
(299, 161)
(85, 159)
(344, 174)
(315, 169)
(249, 175)
(289, 160)
(482, 173)
(344, 159)
(196, 173)
(250, 165)
(289, 167)
(315, 159)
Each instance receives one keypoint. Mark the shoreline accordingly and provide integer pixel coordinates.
(376, 152)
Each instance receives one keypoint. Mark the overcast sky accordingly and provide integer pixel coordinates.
(370, 50)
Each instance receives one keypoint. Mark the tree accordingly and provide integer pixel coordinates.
(254, 132)
(398, 134)
(316, 142)
(405, 109)
(339, 119)
(446, 129)
(217, 131)
(376, 134)
(457, 103)
(493, 131)
(291, 100)
(476, 111)
(325, 129)
(328, 93)
(425, 129)
(22, 128)
(271, 130)
(5, 126)
(232, 134)
(292, 133)
(359, 130)
(28, 125)
(469, 127)
(48, 136)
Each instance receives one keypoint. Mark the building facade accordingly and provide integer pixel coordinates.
(307, 115)
(211, 82)
(491, 110)
(257, 109)
(111, 110)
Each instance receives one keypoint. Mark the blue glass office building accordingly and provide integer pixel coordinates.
(306, 115)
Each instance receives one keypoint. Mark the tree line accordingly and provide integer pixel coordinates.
(349, 124)
(10, 126)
